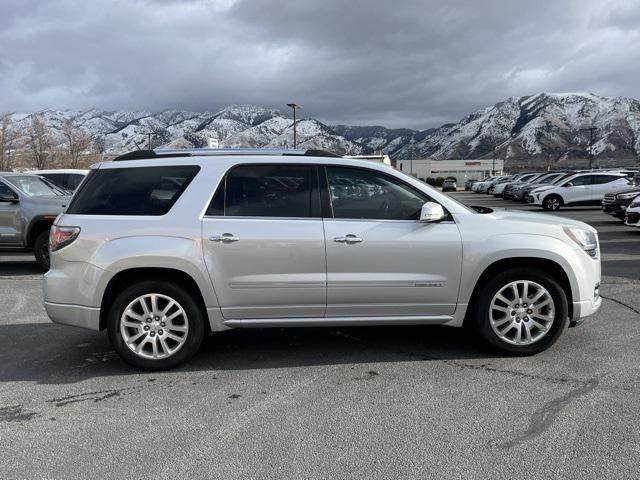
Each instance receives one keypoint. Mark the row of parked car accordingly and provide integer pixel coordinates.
(553, 190)
(29, 203)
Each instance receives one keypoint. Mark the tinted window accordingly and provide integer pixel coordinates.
(600, 179)
(5, 190)
(68, 181)
(132, 191)
(267, 191)
(360, 193)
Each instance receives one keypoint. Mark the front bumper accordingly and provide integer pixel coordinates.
(632, 219)
(74, 315)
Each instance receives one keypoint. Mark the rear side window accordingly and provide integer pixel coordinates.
(600, 179)
(132, 191)
(267, 191)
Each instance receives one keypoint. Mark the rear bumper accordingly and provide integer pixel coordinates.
(74, 315)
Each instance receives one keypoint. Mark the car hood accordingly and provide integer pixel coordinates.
(627, 190)
(542, 188)
(537, 218)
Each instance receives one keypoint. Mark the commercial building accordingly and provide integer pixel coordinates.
(461, 170)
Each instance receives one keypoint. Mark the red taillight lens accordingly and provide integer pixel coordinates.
(62, 236)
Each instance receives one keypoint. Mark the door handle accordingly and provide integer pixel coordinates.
(348, 239)
(224, 238)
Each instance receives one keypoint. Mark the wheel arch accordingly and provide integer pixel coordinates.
(38, 225)
(127, 277)
(544, 264)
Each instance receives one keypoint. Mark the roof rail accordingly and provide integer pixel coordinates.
(198, 152)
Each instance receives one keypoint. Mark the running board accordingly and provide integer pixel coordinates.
(337, 321)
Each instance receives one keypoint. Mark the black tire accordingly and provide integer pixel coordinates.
(193, 312)
(41, 250)
(481, 324)
(552, 203)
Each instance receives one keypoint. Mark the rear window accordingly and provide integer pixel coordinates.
(132, 191)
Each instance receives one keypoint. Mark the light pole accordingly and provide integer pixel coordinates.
(149, 135)
(294, 107)
(590, 130)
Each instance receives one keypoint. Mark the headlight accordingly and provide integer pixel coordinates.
(626, 196)
(586, 239)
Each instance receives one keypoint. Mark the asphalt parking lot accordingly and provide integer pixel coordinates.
(379, 402)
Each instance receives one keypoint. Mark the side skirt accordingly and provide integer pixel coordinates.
(337, 321)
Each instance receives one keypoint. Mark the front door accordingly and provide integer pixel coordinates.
(264, 243)
(381, 260)
(10, 221)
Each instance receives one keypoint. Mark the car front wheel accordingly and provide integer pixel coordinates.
(521, 312)
(155, 325)
(552, 203)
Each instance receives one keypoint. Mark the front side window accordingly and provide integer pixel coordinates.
(132, 191)
(5, 191)
(267, 191)
(365, 194)
(580, 181)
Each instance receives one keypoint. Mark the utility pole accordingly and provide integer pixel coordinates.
(493, 163)
(294, 107)
(149, 142)
(591, 130)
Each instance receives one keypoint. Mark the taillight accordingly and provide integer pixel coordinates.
(60, 237)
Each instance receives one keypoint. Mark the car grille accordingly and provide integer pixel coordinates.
(609, 198)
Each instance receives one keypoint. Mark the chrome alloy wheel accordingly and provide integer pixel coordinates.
(154, 326)
(522, 312)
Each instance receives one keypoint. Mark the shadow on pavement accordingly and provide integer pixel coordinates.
(52, 354)
(19, 265)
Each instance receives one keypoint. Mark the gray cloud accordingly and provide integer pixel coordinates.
(408, 63)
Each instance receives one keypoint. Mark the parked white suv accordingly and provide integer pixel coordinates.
(161, 248)
(579, 189)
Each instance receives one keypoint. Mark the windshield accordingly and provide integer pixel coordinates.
(34, 186)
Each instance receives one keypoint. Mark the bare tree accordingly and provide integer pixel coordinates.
(76, 142)
(39, 142)
(8, 137)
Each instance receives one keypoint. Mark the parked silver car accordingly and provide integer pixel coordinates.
(160, 251)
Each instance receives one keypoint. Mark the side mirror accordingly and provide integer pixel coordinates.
(568, 185)
(432, 212)
(8, 198)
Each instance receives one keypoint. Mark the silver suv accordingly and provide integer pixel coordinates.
(161, 248)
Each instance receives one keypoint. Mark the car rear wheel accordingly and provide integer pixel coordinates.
(521, 312)
(41, 250)
(155, 325)
(552, 203)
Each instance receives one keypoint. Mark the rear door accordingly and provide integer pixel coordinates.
(263, 242)
(602, 184)
(381, 260)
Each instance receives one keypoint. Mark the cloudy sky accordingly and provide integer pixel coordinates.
(402, 63)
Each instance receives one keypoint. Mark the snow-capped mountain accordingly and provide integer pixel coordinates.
(234, 126)
(531, 130)
(540, 129)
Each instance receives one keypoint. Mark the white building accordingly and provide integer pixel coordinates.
(461, 170)
(377, 157)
